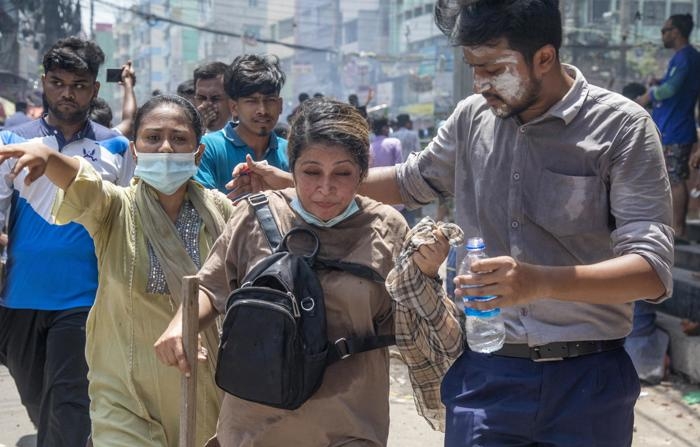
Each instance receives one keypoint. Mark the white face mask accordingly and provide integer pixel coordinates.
(313, 220)
(166, 172)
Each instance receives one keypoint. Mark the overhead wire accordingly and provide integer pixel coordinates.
(264, 16)
(149, 17)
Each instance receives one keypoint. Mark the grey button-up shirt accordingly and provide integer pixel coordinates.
(582, 183)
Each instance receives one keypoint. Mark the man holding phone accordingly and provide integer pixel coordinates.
(114, 74)
(126, 77)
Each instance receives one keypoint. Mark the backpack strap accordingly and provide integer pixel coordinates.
(351, 267)
(343, 347)
(259, 203)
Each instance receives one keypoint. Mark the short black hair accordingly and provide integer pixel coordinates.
(378, 125)
(303, 97)
(332, 123)
(187, 108)
(211, 70)
(21, 106)
(252, 73)
(186, 88)
(402, 119)
(75, 55)
(633, 90)
(526, 25)
(101, 112)
(683, 23)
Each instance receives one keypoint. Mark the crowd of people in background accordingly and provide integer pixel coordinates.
(151, 198)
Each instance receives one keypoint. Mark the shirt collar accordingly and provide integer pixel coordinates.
(85, 132)
(230, 134)
(568, 107)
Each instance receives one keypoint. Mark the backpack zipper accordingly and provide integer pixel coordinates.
(271, 305)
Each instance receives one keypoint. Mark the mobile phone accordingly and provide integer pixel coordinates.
(114, 74)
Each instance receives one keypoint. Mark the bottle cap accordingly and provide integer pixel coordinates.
(475, 243)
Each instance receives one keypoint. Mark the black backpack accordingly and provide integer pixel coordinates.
(274, 348)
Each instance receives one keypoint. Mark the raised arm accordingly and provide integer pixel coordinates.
(370, 96)
(129, 105)
(39, 159)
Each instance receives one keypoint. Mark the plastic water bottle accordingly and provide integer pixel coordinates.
(485, 329)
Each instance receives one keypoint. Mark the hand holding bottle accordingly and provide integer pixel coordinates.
(512, 282)
(484, 328)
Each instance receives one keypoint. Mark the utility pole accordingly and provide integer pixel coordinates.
(51, 24)
(624, 16)
(91, 31)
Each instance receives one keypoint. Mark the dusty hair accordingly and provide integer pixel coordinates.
(526, 25)
(329, 122)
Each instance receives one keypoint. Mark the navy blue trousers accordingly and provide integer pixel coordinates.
(496, 401)
(45, 354)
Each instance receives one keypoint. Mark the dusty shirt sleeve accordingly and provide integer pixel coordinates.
(640, 199)
(430, 173)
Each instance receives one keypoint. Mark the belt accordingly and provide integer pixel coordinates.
(558, 350)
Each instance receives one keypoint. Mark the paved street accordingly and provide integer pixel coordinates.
(662, 419)
(15, 427)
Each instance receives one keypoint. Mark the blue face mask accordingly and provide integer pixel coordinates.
(166, 172)
(313, 220)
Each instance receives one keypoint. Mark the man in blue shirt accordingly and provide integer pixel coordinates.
(52, 270)
(254, 89)
(673, 100)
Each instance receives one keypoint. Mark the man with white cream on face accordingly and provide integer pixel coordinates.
(566, 183)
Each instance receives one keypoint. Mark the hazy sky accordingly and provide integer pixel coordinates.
(103, 13)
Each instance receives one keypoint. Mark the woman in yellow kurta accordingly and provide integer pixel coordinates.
(147, 236)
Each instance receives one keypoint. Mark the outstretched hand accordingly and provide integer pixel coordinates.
(255, 176)
(31, 155)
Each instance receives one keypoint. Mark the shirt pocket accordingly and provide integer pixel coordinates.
(567, 205)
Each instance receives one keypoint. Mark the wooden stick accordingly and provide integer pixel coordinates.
(188, 385)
